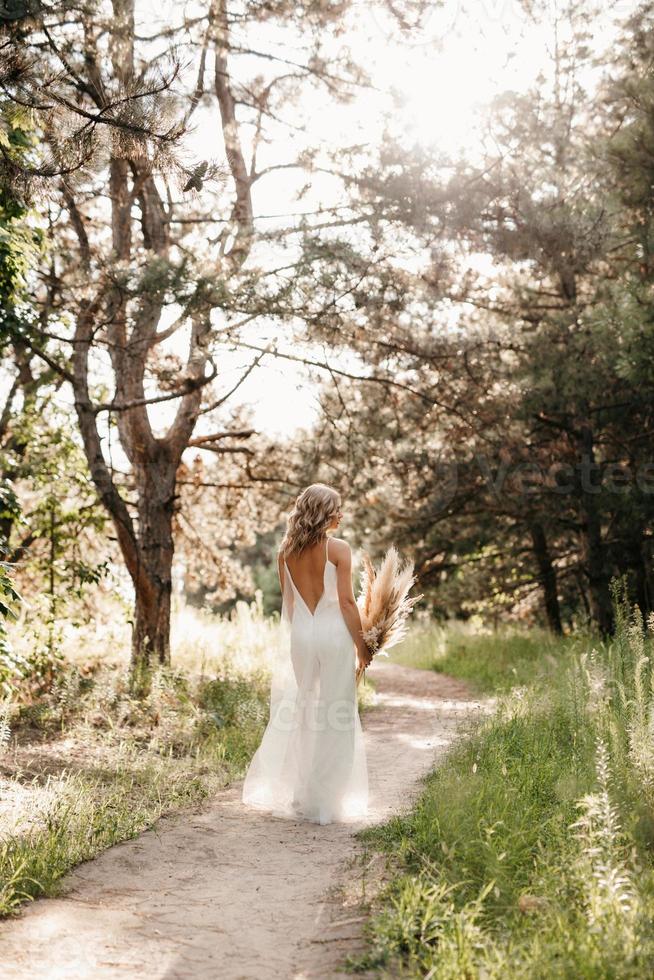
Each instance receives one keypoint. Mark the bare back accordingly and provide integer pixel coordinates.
(308, 572)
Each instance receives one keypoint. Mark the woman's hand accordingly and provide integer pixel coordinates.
(364, 656)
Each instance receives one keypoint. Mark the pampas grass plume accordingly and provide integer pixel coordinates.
(384, 601)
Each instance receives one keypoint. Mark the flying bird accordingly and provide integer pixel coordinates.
(194, 183)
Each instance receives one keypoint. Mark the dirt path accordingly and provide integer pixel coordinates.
(229, 893)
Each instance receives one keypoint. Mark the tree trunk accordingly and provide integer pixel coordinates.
(581, 585)
(592, 545)
(637, 564)
(153, 580)
(644, 582)
(546, 577)
(151, 633)
(131, 327)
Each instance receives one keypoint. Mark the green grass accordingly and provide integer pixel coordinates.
(490, 662)
(142, 759)
(88, 764)
(530, 853)
(88, 815)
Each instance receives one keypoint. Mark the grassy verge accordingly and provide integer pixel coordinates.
(87, 765)
(87, 815)
(492, 662)
(530, 853)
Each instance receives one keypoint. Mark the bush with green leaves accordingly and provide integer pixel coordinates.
(12, 666)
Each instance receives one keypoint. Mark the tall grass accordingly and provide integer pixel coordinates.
(87, 764)
(491, 660)
(86, 815)
(530, 853)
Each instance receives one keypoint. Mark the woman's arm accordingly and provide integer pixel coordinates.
(348, 604)
(288, 599)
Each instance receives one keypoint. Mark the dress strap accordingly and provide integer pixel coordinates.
(326, 548)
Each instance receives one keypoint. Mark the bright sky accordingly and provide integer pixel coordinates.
(463, 53)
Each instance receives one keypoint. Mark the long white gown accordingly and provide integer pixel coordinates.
(311, 763)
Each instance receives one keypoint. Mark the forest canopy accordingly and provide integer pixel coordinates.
(476, 329)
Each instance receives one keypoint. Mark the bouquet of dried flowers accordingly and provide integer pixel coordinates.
(384, 602)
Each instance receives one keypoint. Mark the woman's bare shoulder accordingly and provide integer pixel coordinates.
(339, 549)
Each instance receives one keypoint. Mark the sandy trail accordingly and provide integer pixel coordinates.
(225, 892)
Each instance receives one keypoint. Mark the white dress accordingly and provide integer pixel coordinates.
(311, 762)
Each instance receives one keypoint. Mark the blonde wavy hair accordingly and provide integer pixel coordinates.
(313, 512)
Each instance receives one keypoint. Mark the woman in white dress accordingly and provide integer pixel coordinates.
(311, 762)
